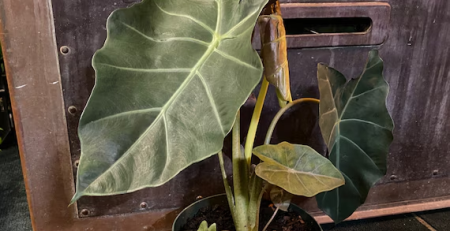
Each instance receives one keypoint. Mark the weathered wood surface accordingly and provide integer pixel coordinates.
(417, 68)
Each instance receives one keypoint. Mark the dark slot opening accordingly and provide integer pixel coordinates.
(295, 26)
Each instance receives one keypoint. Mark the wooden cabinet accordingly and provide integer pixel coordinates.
(48, 47)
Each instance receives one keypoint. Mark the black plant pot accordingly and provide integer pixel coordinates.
(190, 211)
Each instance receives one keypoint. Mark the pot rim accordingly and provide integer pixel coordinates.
(224, 195)
(192, 205)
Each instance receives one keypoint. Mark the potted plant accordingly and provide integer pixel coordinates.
(170, 80)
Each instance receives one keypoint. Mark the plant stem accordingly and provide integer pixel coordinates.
(255, 205)
(227, 186)
(240, 179)
(271, 219)
(281, 112)
(255, 120)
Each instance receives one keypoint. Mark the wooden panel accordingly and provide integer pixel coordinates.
(35, 86)
(417, 68)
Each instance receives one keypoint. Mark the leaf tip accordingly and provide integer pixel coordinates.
(75, 197)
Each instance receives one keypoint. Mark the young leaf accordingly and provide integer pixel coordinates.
(280, 198)
(298, 169)
(274, 54)
(357, 129)
(170, 79)
(204, 227)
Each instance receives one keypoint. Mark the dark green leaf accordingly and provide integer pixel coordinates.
(357, 129)
(298, 169)
(170, 79)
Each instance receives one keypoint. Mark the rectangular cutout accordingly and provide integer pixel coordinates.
(334, 24)
(299, 26)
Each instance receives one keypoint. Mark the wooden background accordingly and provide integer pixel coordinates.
(43, 35)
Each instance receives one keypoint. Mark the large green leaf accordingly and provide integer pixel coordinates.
(170, 79)
(357, 129)
(298, 169)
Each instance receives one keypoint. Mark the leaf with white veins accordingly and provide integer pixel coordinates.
(298, 169)
(170, 79)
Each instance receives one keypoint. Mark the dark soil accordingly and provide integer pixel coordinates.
(284, 221)
(218, 214)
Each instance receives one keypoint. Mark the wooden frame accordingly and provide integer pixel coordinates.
(28, 38)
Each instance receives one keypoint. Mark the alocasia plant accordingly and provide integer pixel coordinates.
(171, 78)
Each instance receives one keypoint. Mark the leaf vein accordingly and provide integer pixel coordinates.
(172, 39)
(234, 59)
(362, 150)
(211, 100)
(159, 70)
(367, 122)
(154, 109)
(200, 23)
(366, 92)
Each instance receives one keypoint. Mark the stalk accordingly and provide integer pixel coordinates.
(281, 112)
(240, 179)
(227, 186)
(255, 121)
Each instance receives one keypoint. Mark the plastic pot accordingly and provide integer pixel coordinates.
(221, 199)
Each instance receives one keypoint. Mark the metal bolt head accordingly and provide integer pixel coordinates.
(72, 110)
(84, 213)
(143, 205)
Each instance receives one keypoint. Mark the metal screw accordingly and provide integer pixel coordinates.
(64, 50)
(143, 205)
(72, 110)
(84, 213)
(76, 163)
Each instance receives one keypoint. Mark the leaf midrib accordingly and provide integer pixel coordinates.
(345, 107)
(302, 172)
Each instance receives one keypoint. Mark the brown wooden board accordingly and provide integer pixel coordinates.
(48, 47)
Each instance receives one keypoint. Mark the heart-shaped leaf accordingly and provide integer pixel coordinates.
(298, 169)
(170, 79)
(357, 129)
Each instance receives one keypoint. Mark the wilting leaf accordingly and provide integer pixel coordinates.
(170, 79)
(204, 227)
(280, 198)
(274, 53)
(357, 129)
(298, 169)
